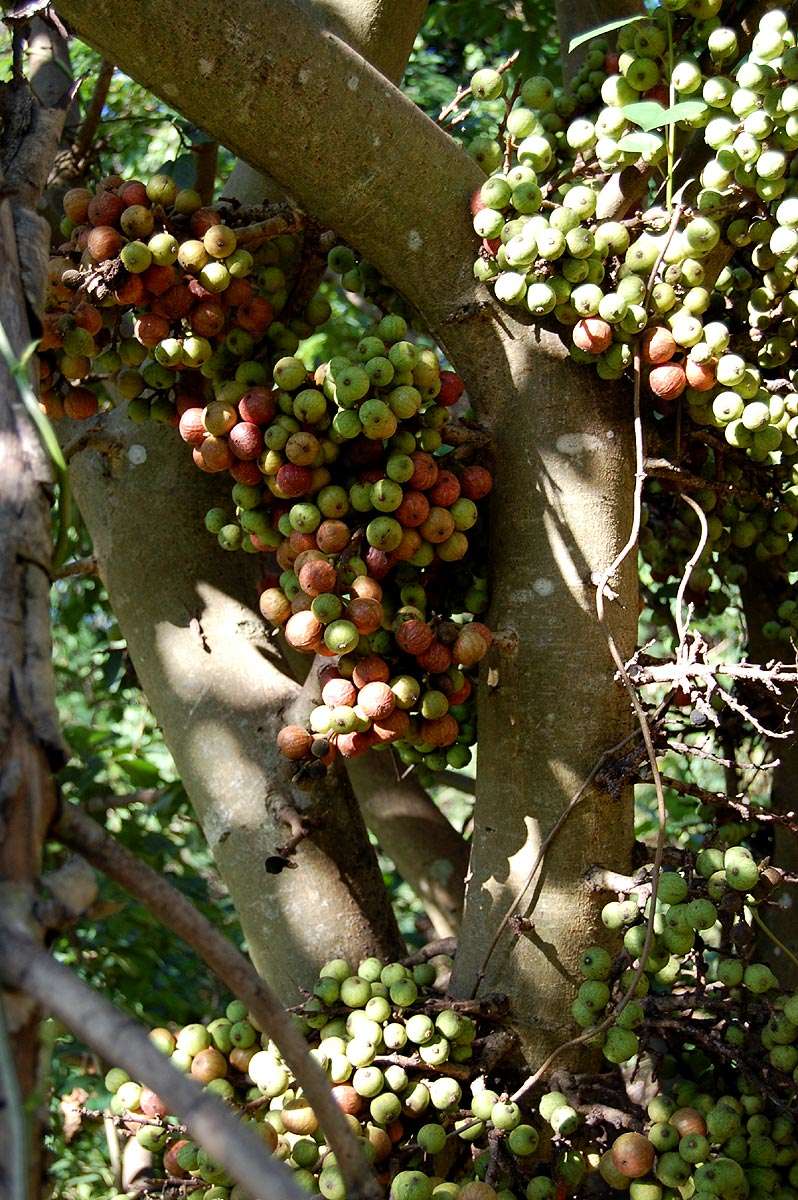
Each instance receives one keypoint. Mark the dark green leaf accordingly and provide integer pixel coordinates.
(183, 170)
(140, 771)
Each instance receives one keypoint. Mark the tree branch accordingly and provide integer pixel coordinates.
(30, 739)
(77, 566)
(178, 914)
(315, 70)
(428, 851)
(88, 128)
(119, 1039)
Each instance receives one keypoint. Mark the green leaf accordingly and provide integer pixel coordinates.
(182, 169)
(608, 28)
(648, 114)
(639, 143)
(139, 771)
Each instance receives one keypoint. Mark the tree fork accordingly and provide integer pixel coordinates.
(437, 869)
(562, 507)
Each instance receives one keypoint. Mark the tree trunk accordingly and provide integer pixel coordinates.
(563, 446)
(429, 853)
(218, 687)
(561, 512)
(30, 742)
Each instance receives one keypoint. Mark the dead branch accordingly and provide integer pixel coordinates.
(178, 914)
(118, 1038)
(737, 803)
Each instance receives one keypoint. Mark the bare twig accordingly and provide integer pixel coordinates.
(462, 92)
(769, 674)
(700, 752)
(735, 802)
(681, 622)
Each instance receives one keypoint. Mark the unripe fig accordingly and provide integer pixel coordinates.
(137, 221)
(688, 1120)
(209, 1064)
(275, 606)
(162, 189)
(187, 201)
(411, 1185)
(219, 241)
(76, 205)
(163, 247)
(299, 1117)
(303, 631)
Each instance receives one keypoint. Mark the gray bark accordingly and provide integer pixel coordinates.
(430, 854)
(218, 686)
